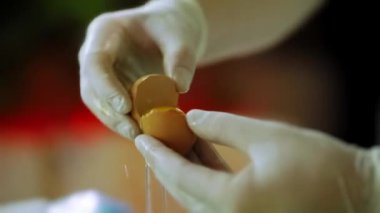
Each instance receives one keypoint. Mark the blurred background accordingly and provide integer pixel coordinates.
(322, 77)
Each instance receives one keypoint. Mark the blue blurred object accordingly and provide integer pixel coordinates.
(89, 201)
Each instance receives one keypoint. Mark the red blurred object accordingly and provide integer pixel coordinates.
(50, 100)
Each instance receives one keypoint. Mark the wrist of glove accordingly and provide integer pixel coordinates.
(374, 179)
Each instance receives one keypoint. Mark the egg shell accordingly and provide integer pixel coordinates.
(153, 91)
(168, 124)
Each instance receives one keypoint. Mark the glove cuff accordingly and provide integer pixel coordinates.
(375, 198)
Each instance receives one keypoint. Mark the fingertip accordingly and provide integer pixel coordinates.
(180, 64)
(155, 153)
(218, 127)
(141, 143)
(142, 138)
(195, 112)
(183, 77)
(147, 143)
(196, 117)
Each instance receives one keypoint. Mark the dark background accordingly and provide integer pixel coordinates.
(348, 30)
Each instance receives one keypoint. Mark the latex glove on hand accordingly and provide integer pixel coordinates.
(291, 170)
(164, 36)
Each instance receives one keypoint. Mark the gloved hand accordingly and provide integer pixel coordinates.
(291, 170)
(166, 36)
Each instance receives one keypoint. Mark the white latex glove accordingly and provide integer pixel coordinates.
(164, 36)
(292, 169)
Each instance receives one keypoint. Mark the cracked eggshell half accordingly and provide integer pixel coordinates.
(169, 125)
(155, 100)
(152, 91)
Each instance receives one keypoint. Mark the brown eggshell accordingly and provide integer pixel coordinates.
(153, 91)
(168, 124)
